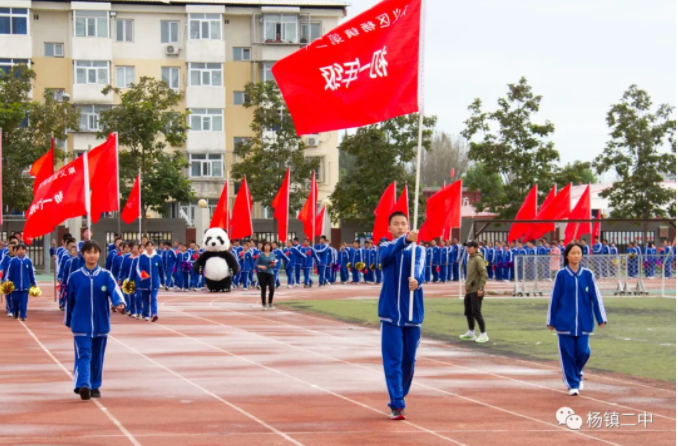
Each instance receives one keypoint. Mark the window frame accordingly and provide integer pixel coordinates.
(54, 46)
(11, 62)
(309, 26)
(91, 116)
(320, 171)
(126, 69)
(125, 29)
(265, 70)
(241, 51)
(77, 64)
(195, 67)
(241, 94)
(169, 31)
(205, 19)
(279, 22)
(12, 15)
(206, 116)
(169, 82)
(205, 163)
(95, 16)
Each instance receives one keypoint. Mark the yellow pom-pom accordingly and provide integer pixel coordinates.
(34, 291)
(7, 287)
(380, 267)
(372, 267)
(486, 263)
(128, 286)
(349, 265)
(360, 266)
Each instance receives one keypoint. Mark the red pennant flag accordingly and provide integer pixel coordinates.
(403, 204)
(59, 197)
(307, 214)
(556, 207)
(144, 275)
(528, 211)
(320, 221)
(220, 217)
(443, 210)
(103, 178)
(383, 211)
(582, 211)
(364, 71)
(596, 226)
(241, 222)
(281, 207)
(43, 168)
(132, 209)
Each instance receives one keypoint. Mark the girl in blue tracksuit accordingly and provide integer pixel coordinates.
(575, 302)
(400, 335)
(126, 274)
(88, 316)
(170, 266)
(183, 268)
(344, 260)
(4, 266)
(20, 272)
(149, 275)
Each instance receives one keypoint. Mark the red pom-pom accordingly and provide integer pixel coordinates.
(255, 256)
(242, 254)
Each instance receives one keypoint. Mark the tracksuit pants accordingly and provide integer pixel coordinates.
(427, 274)
(436, 273)
(8, 304)
(19, 303)
(574, 351)
(356, 274)
(276, 275)
(130, 303)
(490, 272)
(307, 276)
(89, 361)
(149, 302)
(378, 273)
(343, 274)
(322, 278)
(244, 279)
(289, 271)
(169, 277)
(443, 273)
(398, 352)
(297, 273)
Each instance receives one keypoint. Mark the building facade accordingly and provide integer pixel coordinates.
(207, 50)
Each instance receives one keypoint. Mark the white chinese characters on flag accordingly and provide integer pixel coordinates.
(364, 71)
(59, 197)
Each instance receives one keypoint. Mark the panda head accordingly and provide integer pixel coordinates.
(216, 239)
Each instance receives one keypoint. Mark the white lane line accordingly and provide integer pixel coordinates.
(216, 397)
(103, 408)
(268, 339)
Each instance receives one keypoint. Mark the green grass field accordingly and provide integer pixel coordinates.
(639, 339)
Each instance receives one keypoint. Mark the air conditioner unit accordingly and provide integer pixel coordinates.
(313, 141)
(172, 49)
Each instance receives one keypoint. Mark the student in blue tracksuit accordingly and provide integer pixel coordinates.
(322, 251)
(113, 250)
(170, 266)
(20, 272)
(489, 259)
(118, 259)
(247, 265)
(358, 256)
(453, 260)
(649, 260)
(334, 263)
(125, 272)
(299, 264)
(149, 276)
(445, 250)
(87, 315)
(379, 267)
(281, 260)
(370, 259)
(344, 260)
(508, 263)
(310, 258)
(183, 268)
(429, 259)
(575, 303)
(85, 235)
(435, 262)
(399, 335)
(65, 271)
(498, 261)
(236, 250)
(4, 266)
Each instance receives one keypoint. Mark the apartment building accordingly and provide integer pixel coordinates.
(208, 50)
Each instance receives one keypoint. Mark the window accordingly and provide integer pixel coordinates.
(206, 119)
(57, 94)
(237, 140)
(91, 72)
(171, 76)
(211, 166)
(239, 97)
(13, 21)
(60, 144)
(280, 28)
(91, 23)
(89, 117)
(266, 73)
(124, 30)
(310, 32)
(169, 31)
(205, 26)
(205, 74)
(320, 170)
(7, 64)
(242, 53)
(124, 76)
(54, 50)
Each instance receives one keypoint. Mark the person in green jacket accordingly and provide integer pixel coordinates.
(476, 278)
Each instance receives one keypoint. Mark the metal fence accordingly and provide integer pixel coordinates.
(155, 237)
(271, 236)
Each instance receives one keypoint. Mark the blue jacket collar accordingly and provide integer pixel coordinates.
(572, 273)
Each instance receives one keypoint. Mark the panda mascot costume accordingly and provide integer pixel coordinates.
(217, 263)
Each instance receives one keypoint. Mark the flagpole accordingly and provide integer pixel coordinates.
(117, 164)
(416, 208)
(228, 213)
(88, 204)
(139, 173)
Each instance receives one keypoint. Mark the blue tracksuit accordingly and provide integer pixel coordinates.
(378, 266)
(183, 278)
(323, 253)
(344, 260)
(489, 257)
(370, 259)
(235, 280)
(88, 316)
(170, 267)
(147, 289)
(508, 265)
(331, 272)
(281, 260)
(498, 262)
(125, 273)
(358, 256)
(4, 264)
(649, 262)
(20, 272)
(299, 262)
(575, 303)
(310, 257)
(400, 336)
(112, 252)
(429, 259)
(435, 263)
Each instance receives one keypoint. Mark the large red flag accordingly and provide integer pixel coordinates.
(596, 226)
(103, 178)
(43, 168)
(320, 221)
(132, 209)
(307, 214)
(241, 222)
(556, 206)
(443, 210)
(528, 211)
(281, 207)
(59, 197)
(220, 217)
(582, 211)
(403, 204)
(364, 71)
(382, 212)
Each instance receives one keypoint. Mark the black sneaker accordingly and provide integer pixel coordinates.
(76, 390)
(397, 414)
(96, 393)
(84, 393)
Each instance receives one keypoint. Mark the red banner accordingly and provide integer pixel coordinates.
(382, 212)
(528, 211)
(43, 168)
(364, 71)
(281, 207)
(220, 217)
(241, 223)
(132, 209)
(307, 214)
(103, 178)
(582, 211)
(596, 226)
(443, 210)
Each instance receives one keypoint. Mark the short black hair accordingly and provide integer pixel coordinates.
(322, 237)
(70, 240)
(13, 238)
(66, 237)
(569, 247)
(396, 214)
(90, 245)
(295, 239)
(150, 242)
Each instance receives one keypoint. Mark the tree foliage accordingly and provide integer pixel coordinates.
(641, 151)
(578, 172)
(383, 153)
(147, 121)
(446, 153)
(275, 146)
(477, 178)
(27, 127)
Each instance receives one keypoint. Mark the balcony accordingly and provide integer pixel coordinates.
(205, 50)
(205, 97)
(92, 48)
(201, 142)
(16, 46)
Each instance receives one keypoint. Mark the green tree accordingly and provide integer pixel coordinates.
(27, 127)
(383, 153)
(446, 153)
(642, 149)
(264, 158)
(578, 172)
(147, 121)
(477, 178)
(512, 146)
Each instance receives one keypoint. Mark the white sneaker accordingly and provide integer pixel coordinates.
(271, 307)
(573, 392)
(10, 315)
(468, 336)
(581, 385)
(138, 316)
(482, 338)
(264, 308)
(147, 319)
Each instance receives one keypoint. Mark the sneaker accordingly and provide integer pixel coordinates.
(482, 338)
(154, 318)
(138, 316)
(264, 308)
(96, 393)
(468, 337)
(130, 314)
(581, 385)
(573, 392)
(147, 319)
(23, 319)
(84, 393)
(10, 315)
(244, 289)
(397, 414)
(271, 307)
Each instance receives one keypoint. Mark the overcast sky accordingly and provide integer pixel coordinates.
(580, 55)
